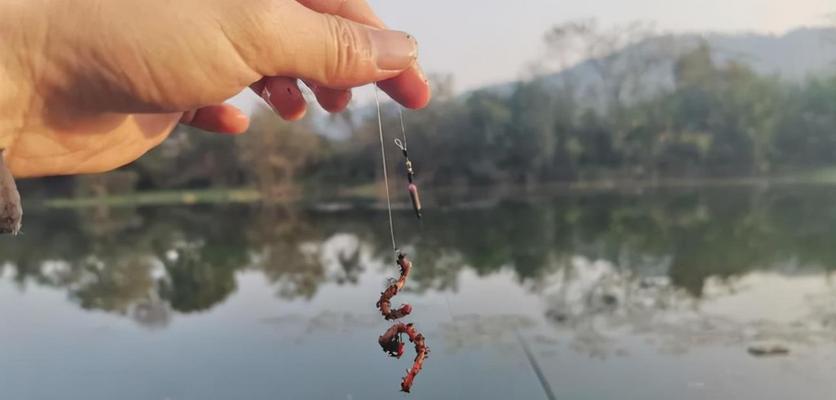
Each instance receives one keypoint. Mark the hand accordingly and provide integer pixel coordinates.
(88, 86)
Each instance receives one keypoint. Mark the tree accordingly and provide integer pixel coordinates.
(190, 158)
(275, 152)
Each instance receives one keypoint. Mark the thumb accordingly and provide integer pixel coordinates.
(288, 39)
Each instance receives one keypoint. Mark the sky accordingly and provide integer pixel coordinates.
(481, 42)
(489, 41)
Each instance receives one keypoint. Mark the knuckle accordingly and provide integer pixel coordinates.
(350, 51)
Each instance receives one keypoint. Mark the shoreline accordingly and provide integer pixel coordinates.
(364, 196)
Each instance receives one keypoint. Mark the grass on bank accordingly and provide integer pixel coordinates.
(177, 197)
(372, 191)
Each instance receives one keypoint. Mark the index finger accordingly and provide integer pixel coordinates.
(410, 88)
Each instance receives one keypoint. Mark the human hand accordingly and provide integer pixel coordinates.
(90, 86)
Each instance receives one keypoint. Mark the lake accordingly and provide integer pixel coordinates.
(720, 293)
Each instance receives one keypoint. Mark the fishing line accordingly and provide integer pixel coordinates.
(403, 129)
(385, 169)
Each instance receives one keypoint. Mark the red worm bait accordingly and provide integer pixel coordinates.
(385, 302)
(393, 344)
(392, 341)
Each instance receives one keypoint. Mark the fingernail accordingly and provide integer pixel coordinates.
(393, 50)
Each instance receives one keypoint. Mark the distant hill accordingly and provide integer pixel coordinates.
(794, 56)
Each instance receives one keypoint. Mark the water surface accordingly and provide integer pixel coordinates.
(653, 295)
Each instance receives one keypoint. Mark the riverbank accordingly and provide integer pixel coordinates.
(370, 195)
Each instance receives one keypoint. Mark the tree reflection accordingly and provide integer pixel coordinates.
(595, 304)
(193, 282)
(147, 262)
(111, 286)
(287, 251)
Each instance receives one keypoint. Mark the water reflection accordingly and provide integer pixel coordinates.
(598, 262)
(597, 302)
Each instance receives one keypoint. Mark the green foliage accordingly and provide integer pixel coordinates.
(806, 131)
(274, 153)
(716, 120)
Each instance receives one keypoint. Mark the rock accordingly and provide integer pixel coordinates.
(768, 350)
(557, 316)
(610, 300)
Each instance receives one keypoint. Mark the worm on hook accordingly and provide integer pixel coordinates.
(391, 341)
(393, 344)
(385, 302)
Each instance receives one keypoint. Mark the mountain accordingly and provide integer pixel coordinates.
(793, 56)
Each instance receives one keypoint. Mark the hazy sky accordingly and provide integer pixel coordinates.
(484, 41)
(488, 41)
